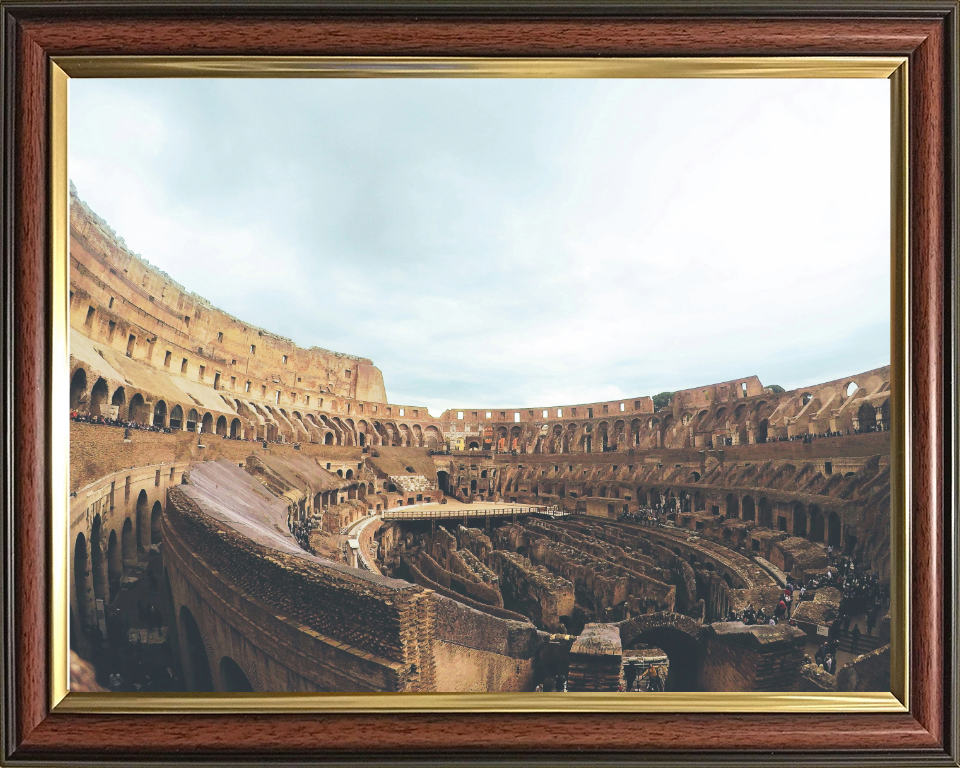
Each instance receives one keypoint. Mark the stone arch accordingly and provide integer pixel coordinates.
(816, 523)
(192, 418)
(98, 396)
(143, 526)
(197, 667)
(834, 529)
(78, 389)
(155, 522)
(799, 520)
(328, 438)
(176, 418)
(139, 411)
(677, 635)
(119, 398)
(232, 678)
(222, 426)
(766, 512)
(431, 437)
(733, 507)
(128, 546)
(206, 425)
(749, 508)
(236, 429)
(443, 481)
(160, 414)
(867, 417)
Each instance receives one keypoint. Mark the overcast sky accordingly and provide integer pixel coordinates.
(496, 243)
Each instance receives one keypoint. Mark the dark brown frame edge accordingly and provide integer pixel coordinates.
(926, 32)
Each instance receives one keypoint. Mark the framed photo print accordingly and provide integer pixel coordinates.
(480, 383)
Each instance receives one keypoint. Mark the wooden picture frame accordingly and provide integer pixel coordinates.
(924, 33)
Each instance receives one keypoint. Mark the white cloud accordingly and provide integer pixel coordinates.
(510, 243)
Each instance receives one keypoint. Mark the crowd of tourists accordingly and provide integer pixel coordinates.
(86, 418)
(301, 532)
(645, 516)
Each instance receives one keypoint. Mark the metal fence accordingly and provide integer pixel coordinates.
(453, 514)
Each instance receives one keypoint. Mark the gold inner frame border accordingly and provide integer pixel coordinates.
(63, 68)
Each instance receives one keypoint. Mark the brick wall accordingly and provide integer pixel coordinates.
(365, 613)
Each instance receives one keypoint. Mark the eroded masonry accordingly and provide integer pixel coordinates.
(249, 515)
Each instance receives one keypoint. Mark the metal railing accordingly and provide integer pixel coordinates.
(453, 514)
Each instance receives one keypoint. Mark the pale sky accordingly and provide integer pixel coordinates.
(498, 243)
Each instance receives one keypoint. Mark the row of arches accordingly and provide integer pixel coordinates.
(197, 668)
(658, 431)
(253, 421)
(101, 562)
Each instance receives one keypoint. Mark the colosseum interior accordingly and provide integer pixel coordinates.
(249, 515)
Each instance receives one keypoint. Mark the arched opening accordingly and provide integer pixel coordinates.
(192, 418)
(867, 418)
(235, 428)
(762, 428)
(128, 546)
(232, 677)
(349, 475)
(155, 523)
(160, 414)
(766, 513)
(198, 665)
(682, 650)
(732, 506)
(328, 439)
(142, 523)
(852, 388)
(207, 424)
(139, 411)
(98, 396)
(176, 418)
(473, 486)
(699, 504)
(816, 523)
(799, 520)
(221, 428)
(833, 530)
(443, 481)
(78, 389)
(119, 397)
(749, 510)
(806, 398)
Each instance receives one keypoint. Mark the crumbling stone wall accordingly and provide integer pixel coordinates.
(533, 590)
(751, 658)
(869, 672)
(383, 617)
